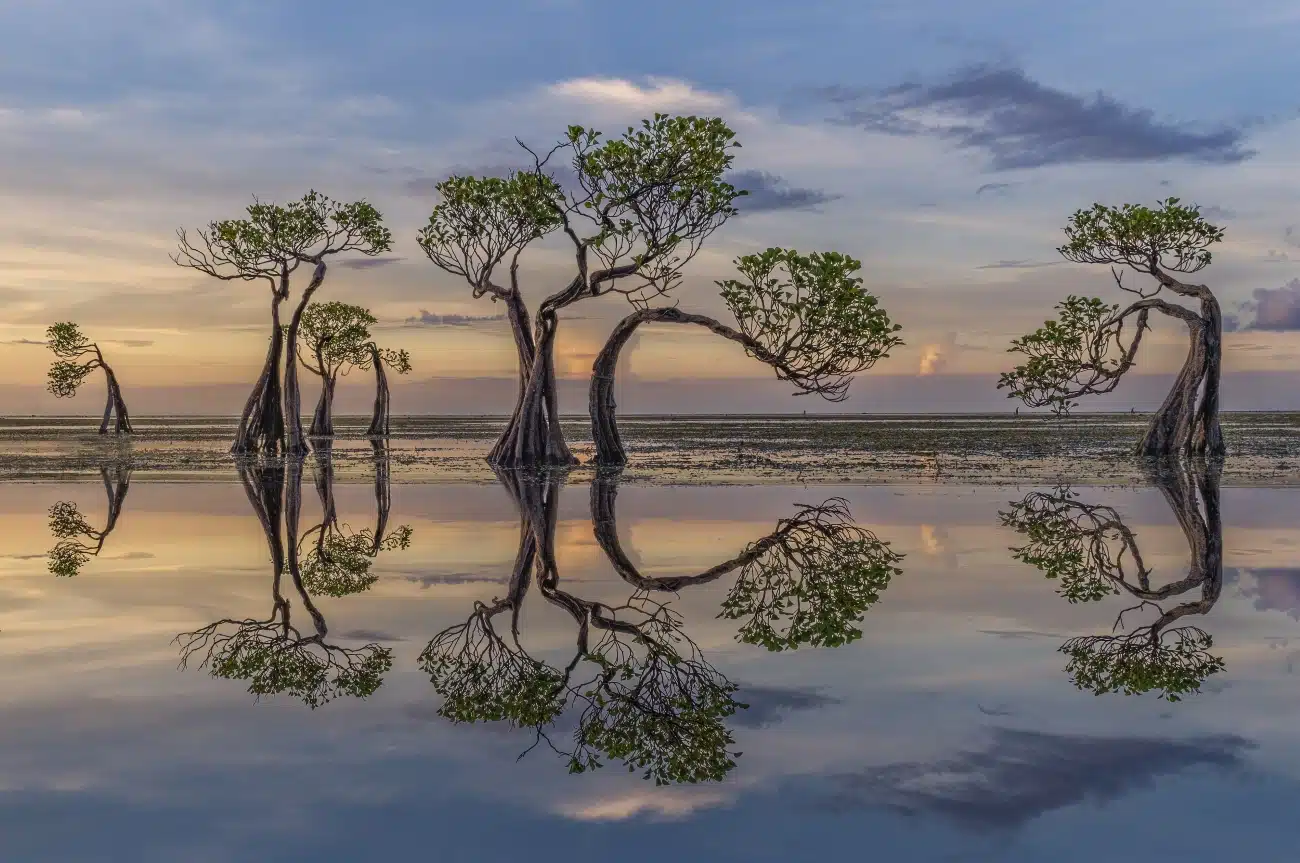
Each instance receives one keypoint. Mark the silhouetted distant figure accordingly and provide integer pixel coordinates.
(1017, 411)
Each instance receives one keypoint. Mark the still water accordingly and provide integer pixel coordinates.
(282, 665)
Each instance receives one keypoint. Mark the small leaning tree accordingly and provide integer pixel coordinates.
(337, 339)
(806, 316)
(270, 245)
(1092, 344)
(637, 211)
(78, 358)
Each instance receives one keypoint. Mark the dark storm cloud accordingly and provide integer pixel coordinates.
(1025, 774)
(770, 193)
(1021, 123)
(769, 704)
(368, 263)
(427, 318)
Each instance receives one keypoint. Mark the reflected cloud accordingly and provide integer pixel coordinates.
(769, 705)
(1022, 775)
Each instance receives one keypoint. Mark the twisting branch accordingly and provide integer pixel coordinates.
(78, 357)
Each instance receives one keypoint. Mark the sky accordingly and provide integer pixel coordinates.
(943, 144)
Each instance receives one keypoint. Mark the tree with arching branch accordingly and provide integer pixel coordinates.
(638, 210)
(78, 358)
(269, 246)
(379, 359)
(336, 337)
(806, 316)
(1092, 344)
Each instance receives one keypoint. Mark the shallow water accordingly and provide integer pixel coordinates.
(953, 728)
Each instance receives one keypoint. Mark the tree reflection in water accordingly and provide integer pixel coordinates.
(1092, 554)
(76, 541)
(274, 655)
(643, 692)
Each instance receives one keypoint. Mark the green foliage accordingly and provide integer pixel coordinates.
(817, 575)
(69, 555)
(66, 341)
(340, 564)
(337, 335)
(398, 361)
(483, 679)
(1176, 662)
(653, 195)
(1070, 356)
(275, 237)
(1171, 236)
(314, 673)
(481, 220)
(1081, 547)
(662, 714)
(811, 316)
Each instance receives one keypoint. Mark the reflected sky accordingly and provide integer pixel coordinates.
(950, 730)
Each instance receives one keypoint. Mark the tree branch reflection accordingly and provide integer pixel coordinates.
(1092, 554)
(77, 542)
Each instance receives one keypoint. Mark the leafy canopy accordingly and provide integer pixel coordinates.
(1176, 662)
(276, 238)
(337, 335)
(1170, 236)
(481, 220)
(66, 375)
(811, 316)
(398, 361)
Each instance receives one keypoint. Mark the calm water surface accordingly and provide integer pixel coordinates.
(809, 670)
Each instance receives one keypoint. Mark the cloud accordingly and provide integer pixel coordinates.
(770, 193)
(130, 343)
(1021, 123)
(23, 342)
(1017, 265)
(1273, 589)
(427, 318)
(656, 94)
(369, 635)
(937, 357)
(1022, 775)
(995, 188)
(1276, 309)
(769, 704)
(1221, 213)
(367, 263)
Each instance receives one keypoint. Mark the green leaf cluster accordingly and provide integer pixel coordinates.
(1170, 236)
(337, 335)
(1067, 357)
(1175, 662)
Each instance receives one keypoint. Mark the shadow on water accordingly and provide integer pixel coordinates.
(76, 541)
(1092, 554)
(643, 692)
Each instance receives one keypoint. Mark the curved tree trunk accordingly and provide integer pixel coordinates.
(526, 352)
(600, 401)
(379, 417)
(322, 421)
(295, 440)
(1188, 421)
(534, 437)
(261, 425)
(114, 405)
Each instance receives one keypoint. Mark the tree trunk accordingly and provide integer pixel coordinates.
(114, 404)
(261, 425)
(600, 401)
(1187, 423)
(296, 441)
(322, 421)
(526, 352)
(383, 493)
(534, 437)
(379, 418)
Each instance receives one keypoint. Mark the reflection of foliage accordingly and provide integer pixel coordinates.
(339, 563)
(77, 540)
(818, 572)
(1086, 547)
(1074, 543)
(655, 705)
(482, 678)
(1175, 662)
(277, 659)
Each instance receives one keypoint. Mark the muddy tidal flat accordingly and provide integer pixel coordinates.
(768, 639)
(1263, 448)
